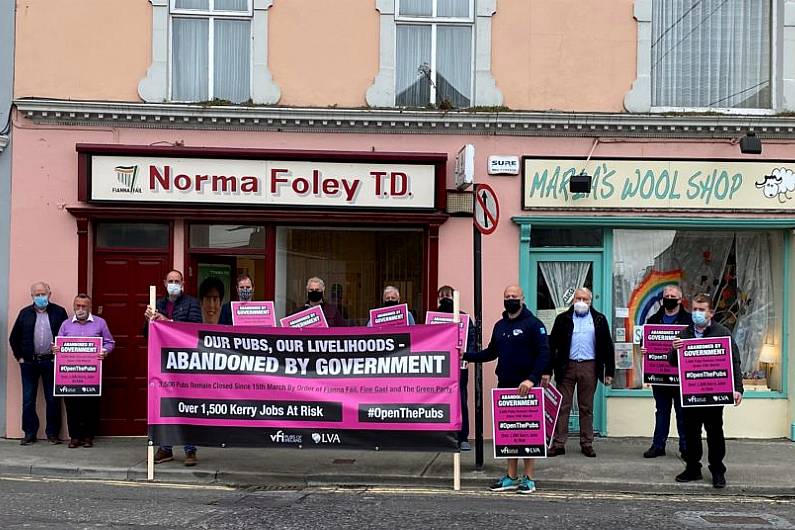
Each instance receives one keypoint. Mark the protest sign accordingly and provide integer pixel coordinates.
(706, 376)
(519, 430)
(396, 315)
(78, 369)
(437, 317)
(657, 339)
(253, 314)
(312, 317)
(552, 401)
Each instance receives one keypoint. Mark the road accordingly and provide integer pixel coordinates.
(35, 503)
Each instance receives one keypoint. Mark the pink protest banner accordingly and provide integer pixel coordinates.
(253, 314)
(396, 315)
(78, 369)
(312, 317)
(706, 376)
(309, 388)
(552, 402)
(518, 423)
(657, 339)
(436, 317)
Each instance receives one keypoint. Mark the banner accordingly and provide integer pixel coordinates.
(552, 402)
(705, 372)
(396, 315)
(312, 317)
(437, 317)
(657, 339)
(519, 430)
(78, 369)
(254, 314)
(329, 388)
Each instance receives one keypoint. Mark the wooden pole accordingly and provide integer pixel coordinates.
(150, 450)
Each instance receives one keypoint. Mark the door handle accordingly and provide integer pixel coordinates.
(99, 310)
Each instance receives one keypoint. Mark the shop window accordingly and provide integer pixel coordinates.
(741, 271)
(354, 264)
(566, 237)
(227, 236)
(133, 235)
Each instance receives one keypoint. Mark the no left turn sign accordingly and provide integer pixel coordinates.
(487, 209)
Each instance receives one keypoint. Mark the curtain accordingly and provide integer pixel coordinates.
(452, 8)
(702, 258)
(454, 65)
(563, 277)
(416, 8)
(190, 59)
(754, 306)
(231, 60)
(192, 4)
(231, 5)
(413, 50)
(711, 53)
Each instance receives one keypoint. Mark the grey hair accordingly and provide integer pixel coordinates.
(315, 279)
(392, 288)
(674, 286)
(40, 284)
(584, 290)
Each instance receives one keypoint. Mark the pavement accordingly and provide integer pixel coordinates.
(755, 467)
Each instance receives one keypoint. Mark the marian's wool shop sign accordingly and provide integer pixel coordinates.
(661, 184)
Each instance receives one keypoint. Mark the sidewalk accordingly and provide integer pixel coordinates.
(754, 467)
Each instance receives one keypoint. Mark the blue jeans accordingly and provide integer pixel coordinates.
(32, 371)
(664, 397)
(188, 448)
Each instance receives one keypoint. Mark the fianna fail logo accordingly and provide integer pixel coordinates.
(126, 176)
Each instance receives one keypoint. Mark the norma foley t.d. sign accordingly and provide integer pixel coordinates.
(660, 184)
(142, 179)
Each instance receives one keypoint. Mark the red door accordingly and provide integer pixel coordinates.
(121, 293)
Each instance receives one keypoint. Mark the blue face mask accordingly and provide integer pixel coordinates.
(41, 301)
(245, 293)
(700, 318)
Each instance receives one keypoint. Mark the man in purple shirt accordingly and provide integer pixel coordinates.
(82, 412)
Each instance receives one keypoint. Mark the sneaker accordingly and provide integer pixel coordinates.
(689, 475)
(526, 485)
(464, 446)
(719, 480)
(190, 459)
(53, 440)
(163, 456)
(654, 452)
(506, 483)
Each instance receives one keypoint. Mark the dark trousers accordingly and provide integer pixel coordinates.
(712, 420)
(82, 416)
(581, 375)
(664, 398)
(31, 372)
(463, 435)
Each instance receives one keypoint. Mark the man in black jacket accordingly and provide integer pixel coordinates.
(519, 342)
(710, 417)
(31, 341)
(245, 293)
(666, 396)
(582, 354)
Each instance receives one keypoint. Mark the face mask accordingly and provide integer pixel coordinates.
(512, 305)
(245, 293)
(81, 314)
(581, 308)
(41, 301)
(315, 296)
(446, 305)
(700, 318)
(390, 303)
(670, 303)
(174, 289)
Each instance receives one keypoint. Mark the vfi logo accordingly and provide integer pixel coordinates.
(126, 176)
(282, 438)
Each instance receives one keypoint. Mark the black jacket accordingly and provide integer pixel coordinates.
(186, 309)
(226, 314)
(21, 338)
(520, 344)
(714, 330)
(560, 345)
(683, 317)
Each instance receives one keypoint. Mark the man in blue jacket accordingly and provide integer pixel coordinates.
(519, 342)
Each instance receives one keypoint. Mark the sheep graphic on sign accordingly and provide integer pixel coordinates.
(780, 183)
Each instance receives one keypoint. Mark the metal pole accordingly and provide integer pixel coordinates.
(478, 343)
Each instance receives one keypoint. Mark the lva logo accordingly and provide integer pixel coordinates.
(326, 438)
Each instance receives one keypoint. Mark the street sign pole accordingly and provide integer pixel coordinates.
(476, 240)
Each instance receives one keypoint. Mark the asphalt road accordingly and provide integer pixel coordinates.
(34, 503)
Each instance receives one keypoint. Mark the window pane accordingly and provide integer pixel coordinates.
(132, 235)
(566, 237)
(454, 65)
(231, 5)
(227, 236)
(713, 53)
(413, 70)
(232, 63)
(452, 8)
(416, 8)
(190, 65)
(192, 4)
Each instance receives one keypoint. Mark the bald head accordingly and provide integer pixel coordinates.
(513, 291)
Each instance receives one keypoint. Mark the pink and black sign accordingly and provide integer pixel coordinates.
(519, 430)
(309, 388)
(705, 372)
(396, 315)
(312, 317)
(657, 339)
(78, 369)
(253, 314)
(552, 402)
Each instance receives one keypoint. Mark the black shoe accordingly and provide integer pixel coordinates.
(588, 451)
(27, 440)
(719, 480)
(53, 440)
(689, 475)
(556, 451)
(654, 452)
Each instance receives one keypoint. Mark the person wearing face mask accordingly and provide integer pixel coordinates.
(519, 343)
(391, 298)
(582, 354)
(245, 293)
(671, 312)
(178, 307)
(31, 342)
(315, 292)
(82, 413)
(711, 418)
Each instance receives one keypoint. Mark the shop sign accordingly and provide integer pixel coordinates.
(503, 165)
(661, 184)
(140, 179)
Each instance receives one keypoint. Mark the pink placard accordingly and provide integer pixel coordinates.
(78, 369)
(552, 402)
(396, 315)
(705, 372)
(657, 339)
(312, 317)
(519, 430)
(437, 317)
(253, 314)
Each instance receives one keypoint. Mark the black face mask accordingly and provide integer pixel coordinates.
(446, 305)
(670, 303)
(315, 296)
(390, 303)
(512, 305)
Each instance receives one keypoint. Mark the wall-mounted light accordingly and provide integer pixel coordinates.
(751, 144)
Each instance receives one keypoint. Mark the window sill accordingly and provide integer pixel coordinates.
(646, 393)
(711, 110)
